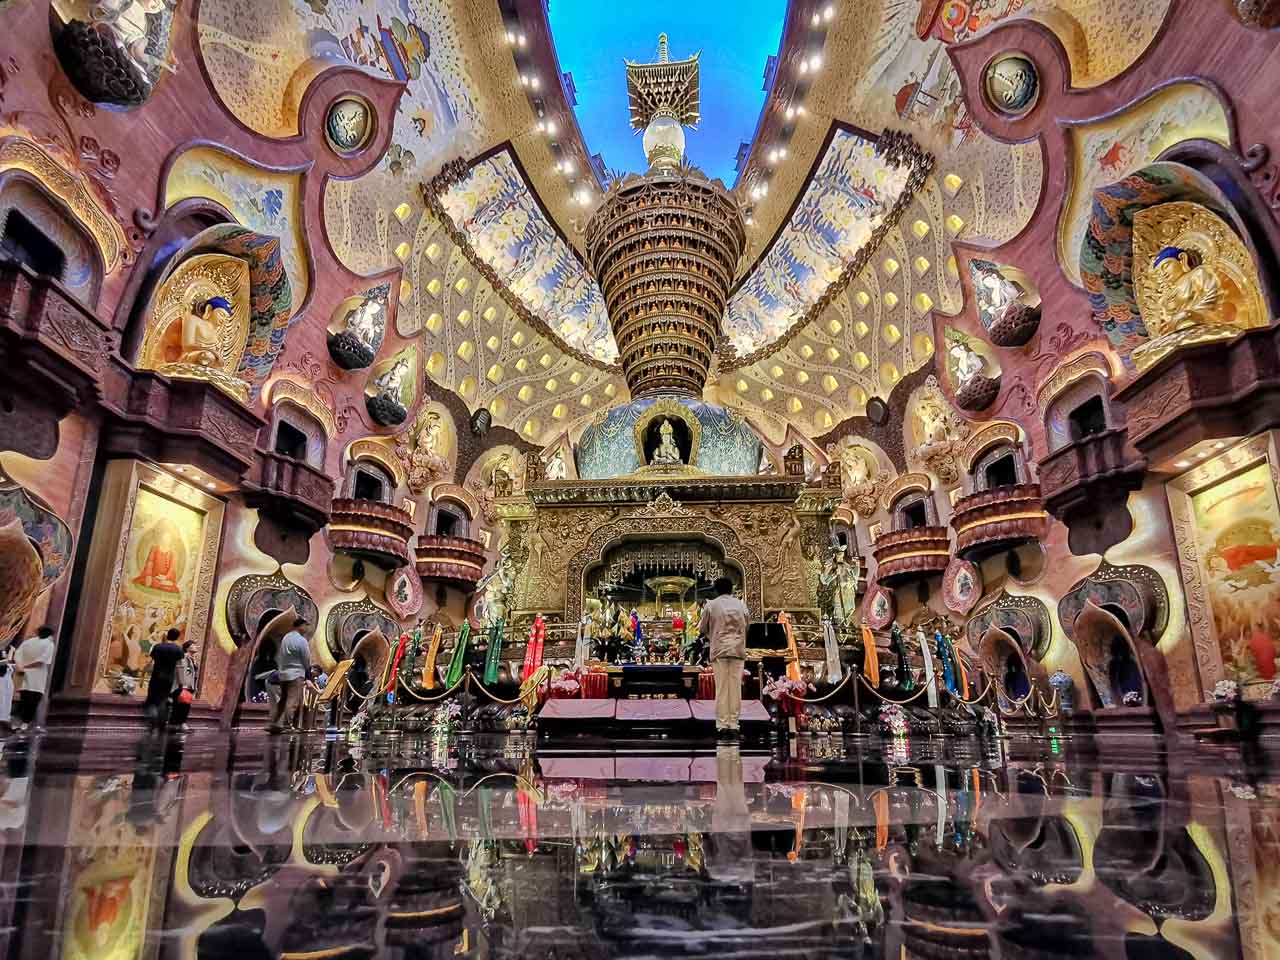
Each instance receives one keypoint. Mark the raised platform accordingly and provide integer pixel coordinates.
(611, 722)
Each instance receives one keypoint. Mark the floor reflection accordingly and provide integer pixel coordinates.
(484, 849)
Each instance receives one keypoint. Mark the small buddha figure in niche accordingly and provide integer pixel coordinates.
(365, 321)
(667, 454)
(969, 363)
(201, 330)
(391, 382)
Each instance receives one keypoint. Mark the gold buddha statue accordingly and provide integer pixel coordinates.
(200, 332)
(198, 326)
(1195, 279)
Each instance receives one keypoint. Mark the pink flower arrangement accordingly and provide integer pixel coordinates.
(566, 685)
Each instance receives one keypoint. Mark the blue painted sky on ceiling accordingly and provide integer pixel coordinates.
(593, 38)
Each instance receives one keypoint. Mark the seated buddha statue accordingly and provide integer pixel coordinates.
(667, 454)
(201, 331)
(1195, 278)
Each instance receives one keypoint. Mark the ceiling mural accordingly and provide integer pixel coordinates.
(852, 192)
(502, 220)
(262, 53)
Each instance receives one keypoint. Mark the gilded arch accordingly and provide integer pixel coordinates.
(664, 517)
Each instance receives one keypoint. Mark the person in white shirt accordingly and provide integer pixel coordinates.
(33, 660)
(724, 621)
(6, 688)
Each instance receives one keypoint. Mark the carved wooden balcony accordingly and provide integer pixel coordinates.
(997, 519)
(291, 491)
(1086, 485)
(371, 530)
(905, 556)
(53, 351)
(1207, 392)
(458, 561)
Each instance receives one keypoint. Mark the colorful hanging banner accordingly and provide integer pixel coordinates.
(433, 652)
(495, 652)
(459, 659)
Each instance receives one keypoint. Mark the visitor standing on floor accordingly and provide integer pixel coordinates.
(184, 691)
(165, 657)
(724, 623)
(32, 663)
(295, 663)
(6, 689)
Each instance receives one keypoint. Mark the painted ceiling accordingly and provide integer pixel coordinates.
(464, 99)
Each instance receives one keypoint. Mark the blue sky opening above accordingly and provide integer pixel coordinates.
(592, 40)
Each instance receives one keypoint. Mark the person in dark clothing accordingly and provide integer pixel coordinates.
(165, 657)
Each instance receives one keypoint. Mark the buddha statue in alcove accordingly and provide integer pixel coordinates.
(1195, 279)
(199, 323)
(667, 454)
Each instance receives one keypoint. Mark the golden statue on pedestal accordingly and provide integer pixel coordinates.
(1195, 280)
(667, 454)
(199, 324)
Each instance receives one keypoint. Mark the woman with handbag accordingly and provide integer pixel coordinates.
(184, 690)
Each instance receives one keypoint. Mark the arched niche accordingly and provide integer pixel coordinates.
(369, 659)
(369, 479)
(909, 502)
(449, 516)
(1110, 657)
(38, 229)
(176, 228)
(661, 521)
(259, 609)
(347, 623)
(297, 433)
(994, 457)
(1025, 619)
(1012, 672)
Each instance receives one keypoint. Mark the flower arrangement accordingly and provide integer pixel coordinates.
(893, 719)
(1132, 698)
(1225, 690)
(785, 687)
(1244, 791)
(444, 716)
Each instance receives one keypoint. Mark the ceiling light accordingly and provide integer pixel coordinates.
(534, 82)
(511, 36)
(749, 220)
(799, 109)
(584, 196)
(815, 62)
(521, 39)
(830, 12)
(1202, 454)
(524, 79)
(182, 469)
(817, 19)
(791, 113)
(209, 484)
(1219, 445)
(551, 128)
(804, 66)
(1182, 464)
(773, 155)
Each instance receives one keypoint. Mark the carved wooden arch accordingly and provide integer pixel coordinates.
(678, 522)
(1023, 617)
(347, 619)
(905, 484)
(1096, 630)
(376, 451)
(249, 599)
(74, 190)
(1137, 590)
(994, 650)
(456, 494)
(991, 435)
(12, 182)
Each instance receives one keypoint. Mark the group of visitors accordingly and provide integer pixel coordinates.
(172, 687)
(24, 669)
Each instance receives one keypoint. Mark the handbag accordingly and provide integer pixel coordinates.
(185, 696)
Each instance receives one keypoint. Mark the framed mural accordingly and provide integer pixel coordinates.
(156, 544)
(1227, 524)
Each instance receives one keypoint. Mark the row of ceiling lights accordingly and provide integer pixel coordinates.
(565, 163)
(809, 65)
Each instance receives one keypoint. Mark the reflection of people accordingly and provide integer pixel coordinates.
(165, 657)
(724, 621)
(295, 661)
(33, 659)
(200, 332)
(667, 454)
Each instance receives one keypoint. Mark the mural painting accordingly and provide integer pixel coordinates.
(1237, 529)
(850, 195)
(506, 227)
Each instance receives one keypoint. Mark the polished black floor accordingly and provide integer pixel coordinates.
(191, 847)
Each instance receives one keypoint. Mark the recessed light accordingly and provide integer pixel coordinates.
(209, 484)
(1182, 464)
(535, 82)
(511, 36)
(830, 12)
(182, 469)
(791, 112)
(815, 62)
(522, 39)
(816, 19)
(1219, 445)
(524, 79)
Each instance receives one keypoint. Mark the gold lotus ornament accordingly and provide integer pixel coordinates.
(1196, 281)
(199, 323)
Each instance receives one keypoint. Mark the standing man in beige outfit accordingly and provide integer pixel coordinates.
(724, 622)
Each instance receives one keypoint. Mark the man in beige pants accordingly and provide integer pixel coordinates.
(724, 622)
